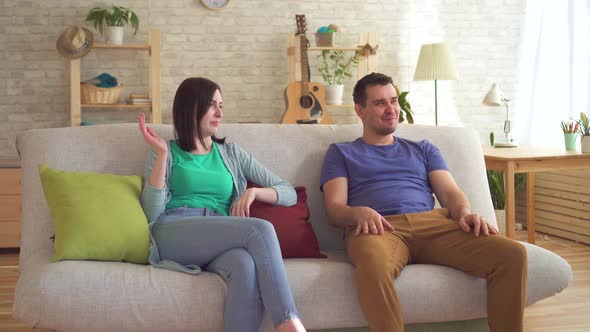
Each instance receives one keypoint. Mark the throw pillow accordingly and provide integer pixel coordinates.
(295, 233)
(96, 216)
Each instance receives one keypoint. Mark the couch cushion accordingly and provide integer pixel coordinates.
(295, 234)
(96, 216)
(324, 291)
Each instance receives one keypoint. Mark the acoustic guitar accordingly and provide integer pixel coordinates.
(305, 100)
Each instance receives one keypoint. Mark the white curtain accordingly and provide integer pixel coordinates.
(554, 71)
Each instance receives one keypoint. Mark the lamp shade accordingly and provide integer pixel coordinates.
(494, 96)
(435, 63)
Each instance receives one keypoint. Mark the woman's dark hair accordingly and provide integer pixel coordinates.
(359, 94)
(191, 102)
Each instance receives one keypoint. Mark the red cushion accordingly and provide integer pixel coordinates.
(295, 233)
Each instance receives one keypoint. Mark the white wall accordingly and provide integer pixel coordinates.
(243, 48)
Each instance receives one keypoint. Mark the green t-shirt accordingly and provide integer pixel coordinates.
(200, 181)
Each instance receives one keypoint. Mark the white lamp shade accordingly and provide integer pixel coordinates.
(435, 63)
(494, 96)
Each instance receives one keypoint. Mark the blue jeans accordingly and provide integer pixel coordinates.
(245, 252)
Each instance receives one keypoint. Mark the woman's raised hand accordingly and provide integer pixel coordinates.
(156, 142)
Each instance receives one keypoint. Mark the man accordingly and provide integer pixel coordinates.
(379, 189)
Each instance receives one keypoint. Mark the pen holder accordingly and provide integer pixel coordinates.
(570, 140)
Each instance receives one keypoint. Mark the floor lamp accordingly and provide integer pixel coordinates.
(435, 63)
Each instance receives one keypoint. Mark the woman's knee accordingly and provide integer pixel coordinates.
(234, 263)
(262, 227)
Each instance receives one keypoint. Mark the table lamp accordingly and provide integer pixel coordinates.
(495, 97)
(435, 63)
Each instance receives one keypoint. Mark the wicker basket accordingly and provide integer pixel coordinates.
(327, 39)
(91, 94)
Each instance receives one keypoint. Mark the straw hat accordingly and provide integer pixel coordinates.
(75, 42)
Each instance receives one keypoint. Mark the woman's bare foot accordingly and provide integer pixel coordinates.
(291, 325)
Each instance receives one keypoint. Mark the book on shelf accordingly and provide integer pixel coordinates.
(139, 101)
(136, 98)
(138, 95)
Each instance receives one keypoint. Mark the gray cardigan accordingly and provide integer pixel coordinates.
(242, 167)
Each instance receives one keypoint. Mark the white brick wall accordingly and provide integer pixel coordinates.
(243, 48)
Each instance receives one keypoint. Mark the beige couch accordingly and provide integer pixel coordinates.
(109, 296)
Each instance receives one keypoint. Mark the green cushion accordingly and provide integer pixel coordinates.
(96, 216)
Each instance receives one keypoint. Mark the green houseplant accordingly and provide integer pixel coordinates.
(335, 66)
(496, 184)
(405, 107)
(111, 21)
(584, 131)
(498, 194)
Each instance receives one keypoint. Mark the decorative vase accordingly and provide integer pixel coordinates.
(501, 220)
(113, 35)
(570, 140)
(585, 144)
(334, 94)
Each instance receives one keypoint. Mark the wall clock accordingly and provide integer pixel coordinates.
(215, 4)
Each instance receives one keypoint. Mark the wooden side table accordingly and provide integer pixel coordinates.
(529, 159)
(10, 203)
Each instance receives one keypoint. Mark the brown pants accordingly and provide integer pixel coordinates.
(433, 238)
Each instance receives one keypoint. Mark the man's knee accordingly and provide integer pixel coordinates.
(375, 258)
(512, 253)
(518, 253)
(378, 266)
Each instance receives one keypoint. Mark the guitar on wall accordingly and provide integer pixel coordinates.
(305, 100)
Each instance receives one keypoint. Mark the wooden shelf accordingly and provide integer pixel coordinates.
(116, 105)
(123, 47)
(155, 112)
(367, 63)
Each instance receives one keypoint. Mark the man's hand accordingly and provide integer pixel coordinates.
(479, 224)
(369, 221)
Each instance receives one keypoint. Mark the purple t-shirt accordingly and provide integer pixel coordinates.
(391, 179)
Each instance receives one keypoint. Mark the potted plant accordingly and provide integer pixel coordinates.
(111, 21)
(405, 107)
(496, 184)
(334, 68)
(584, 131)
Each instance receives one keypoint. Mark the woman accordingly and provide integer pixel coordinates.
(197, 204)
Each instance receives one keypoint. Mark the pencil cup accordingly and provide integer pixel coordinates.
(570, 140)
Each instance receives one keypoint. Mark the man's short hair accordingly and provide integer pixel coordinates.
(359, 94)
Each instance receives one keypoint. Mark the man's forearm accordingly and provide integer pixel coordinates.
(458, 205)
(341, 216)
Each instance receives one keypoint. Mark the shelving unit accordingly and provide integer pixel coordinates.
(153, 49)
(10, 203)
(367, 62)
